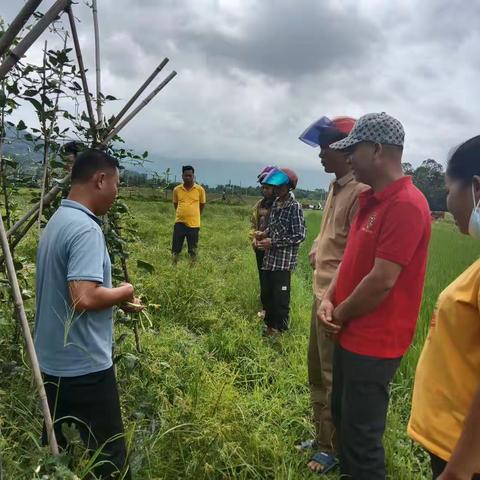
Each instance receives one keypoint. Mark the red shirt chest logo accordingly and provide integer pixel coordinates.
(369, 224)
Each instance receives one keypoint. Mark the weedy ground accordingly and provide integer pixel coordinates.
(208, 397)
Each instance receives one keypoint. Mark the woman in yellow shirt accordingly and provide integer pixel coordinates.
(445, 417)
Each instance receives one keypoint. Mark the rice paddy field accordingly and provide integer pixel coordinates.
(208, 397)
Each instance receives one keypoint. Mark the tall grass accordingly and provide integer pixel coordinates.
(209, 398)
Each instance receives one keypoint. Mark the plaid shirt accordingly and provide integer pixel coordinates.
(287, 230)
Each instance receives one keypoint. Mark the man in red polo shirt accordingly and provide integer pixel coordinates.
(373, 302)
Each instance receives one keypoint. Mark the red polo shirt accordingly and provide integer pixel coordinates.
(395, 225)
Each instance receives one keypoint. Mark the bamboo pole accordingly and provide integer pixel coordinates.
(17, 53)
(13, 243)
(17, 24)
(47, 200)
(81, 66)
(97, 64)
(37, 375)
(137, 94)
(18, 238)
(145, 102)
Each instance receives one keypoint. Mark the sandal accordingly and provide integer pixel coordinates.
(327, 460)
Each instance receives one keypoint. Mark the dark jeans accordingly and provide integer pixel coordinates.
(90, 402)
(360, 396)
(259, 254)
(439, 465)
(277, 298)
(180, 232)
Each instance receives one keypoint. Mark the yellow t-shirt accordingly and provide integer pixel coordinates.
(448, 372)
(188, 210)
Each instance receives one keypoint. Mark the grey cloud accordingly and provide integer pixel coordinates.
(254, 73)
(289, 39)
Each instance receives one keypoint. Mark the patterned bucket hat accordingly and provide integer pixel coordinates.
(373, 127)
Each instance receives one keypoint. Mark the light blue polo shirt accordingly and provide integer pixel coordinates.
(72, 247)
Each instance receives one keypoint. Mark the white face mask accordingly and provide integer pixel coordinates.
(474, 224)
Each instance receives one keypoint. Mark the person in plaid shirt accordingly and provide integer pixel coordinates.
(281, 241)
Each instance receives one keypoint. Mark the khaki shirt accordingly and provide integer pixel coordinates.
(338, 213)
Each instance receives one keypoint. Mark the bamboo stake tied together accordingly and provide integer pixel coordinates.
(19, 51)
(17, 24)
(11, 59)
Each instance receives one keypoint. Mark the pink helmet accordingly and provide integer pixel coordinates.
(265, 171)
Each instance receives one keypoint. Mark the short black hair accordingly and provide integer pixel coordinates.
(187, 167)
(73, 147)
(464, 162)
(330, 136)
(90, 162)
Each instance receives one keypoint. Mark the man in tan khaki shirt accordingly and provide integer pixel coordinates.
(325, 256)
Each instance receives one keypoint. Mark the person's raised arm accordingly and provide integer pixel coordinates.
(85, 274)
(88, 296)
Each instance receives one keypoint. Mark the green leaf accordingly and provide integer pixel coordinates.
(10, 162)
(38, 106)
(57, 164)
(110, 97)
(21, 125)
(145, 266)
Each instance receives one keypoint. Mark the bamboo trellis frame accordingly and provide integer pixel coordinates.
(17, 24)
(10, 239)
(19, 51)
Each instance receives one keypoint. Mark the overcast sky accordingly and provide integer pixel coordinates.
(253, 74)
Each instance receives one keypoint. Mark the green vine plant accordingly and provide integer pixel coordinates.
(54, 90)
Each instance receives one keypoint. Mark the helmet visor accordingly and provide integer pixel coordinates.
(276, 178)
(312, 135)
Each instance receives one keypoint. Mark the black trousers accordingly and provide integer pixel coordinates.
(90, 402)
(259, 254)
(277, 298)
(180, 232)
(360, 397)
(439, 465)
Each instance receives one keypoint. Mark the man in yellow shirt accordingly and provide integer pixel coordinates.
(189, 200)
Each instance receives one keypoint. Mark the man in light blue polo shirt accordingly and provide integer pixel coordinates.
(73, 324)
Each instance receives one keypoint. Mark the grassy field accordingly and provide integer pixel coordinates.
(209, 398)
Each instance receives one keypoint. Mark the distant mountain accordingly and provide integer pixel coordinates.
(22, 149)
(210, 172)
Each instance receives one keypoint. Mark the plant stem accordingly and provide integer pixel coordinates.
(46, 139)
(81, 66)
(2, 163)
(97, 64)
